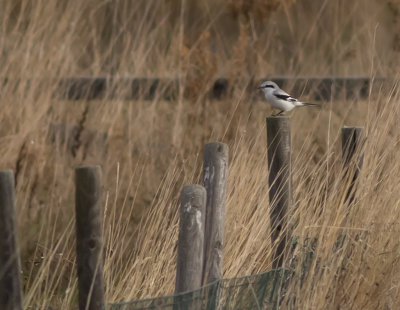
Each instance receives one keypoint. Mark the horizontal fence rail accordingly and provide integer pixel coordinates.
(130, 88)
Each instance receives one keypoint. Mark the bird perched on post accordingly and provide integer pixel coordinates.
(281, 100)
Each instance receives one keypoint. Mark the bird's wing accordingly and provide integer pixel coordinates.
(280, 94)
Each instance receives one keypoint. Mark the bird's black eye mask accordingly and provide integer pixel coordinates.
(269, 86)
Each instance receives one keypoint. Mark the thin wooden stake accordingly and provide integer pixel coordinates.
(10, 283)
(215, 174)
(352, 140)
(280, 182)
(89, 245)
(191, 239)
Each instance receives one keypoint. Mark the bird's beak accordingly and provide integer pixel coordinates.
(259, 87)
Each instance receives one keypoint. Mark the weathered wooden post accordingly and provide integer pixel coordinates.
(352, 140)
(191, 239)
(215, 174)
(280, 182)
(89, 248)
(10, 283)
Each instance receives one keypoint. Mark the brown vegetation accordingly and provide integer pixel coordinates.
(149, 149)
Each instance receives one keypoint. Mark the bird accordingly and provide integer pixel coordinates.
(281, 100)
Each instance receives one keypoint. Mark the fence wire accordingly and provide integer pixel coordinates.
(260, 291)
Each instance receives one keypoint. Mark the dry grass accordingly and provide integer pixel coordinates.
(149, 149)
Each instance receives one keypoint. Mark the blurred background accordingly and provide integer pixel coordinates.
(150, 148)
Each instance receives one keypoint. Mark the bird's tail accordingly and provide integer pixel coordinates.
(306, 104)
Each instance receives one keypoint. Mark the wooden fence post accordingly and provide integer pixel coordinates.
(352, 141)
(89, 220)
(10, 283)
(215, 174)
(191, 239)
(280, 182)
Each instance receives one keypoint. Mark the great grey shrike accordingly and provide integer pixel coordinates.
(281, 100)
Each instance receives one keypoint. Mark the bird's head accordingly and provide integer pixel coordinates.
(268, 86)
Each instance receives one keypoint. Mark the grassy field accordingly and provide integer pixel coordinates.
(149, 149)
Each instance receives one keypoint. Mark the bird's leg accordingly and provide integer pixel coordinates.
(278, 113)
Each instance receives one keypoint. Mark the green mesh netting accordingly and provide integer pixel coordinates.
(260, 291)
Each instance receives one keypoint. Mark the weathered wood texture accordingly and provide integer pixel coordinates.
(280, 182)
(89, 219)
(215, 174)
(353, 139)
(10, 283)
(191, 238)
